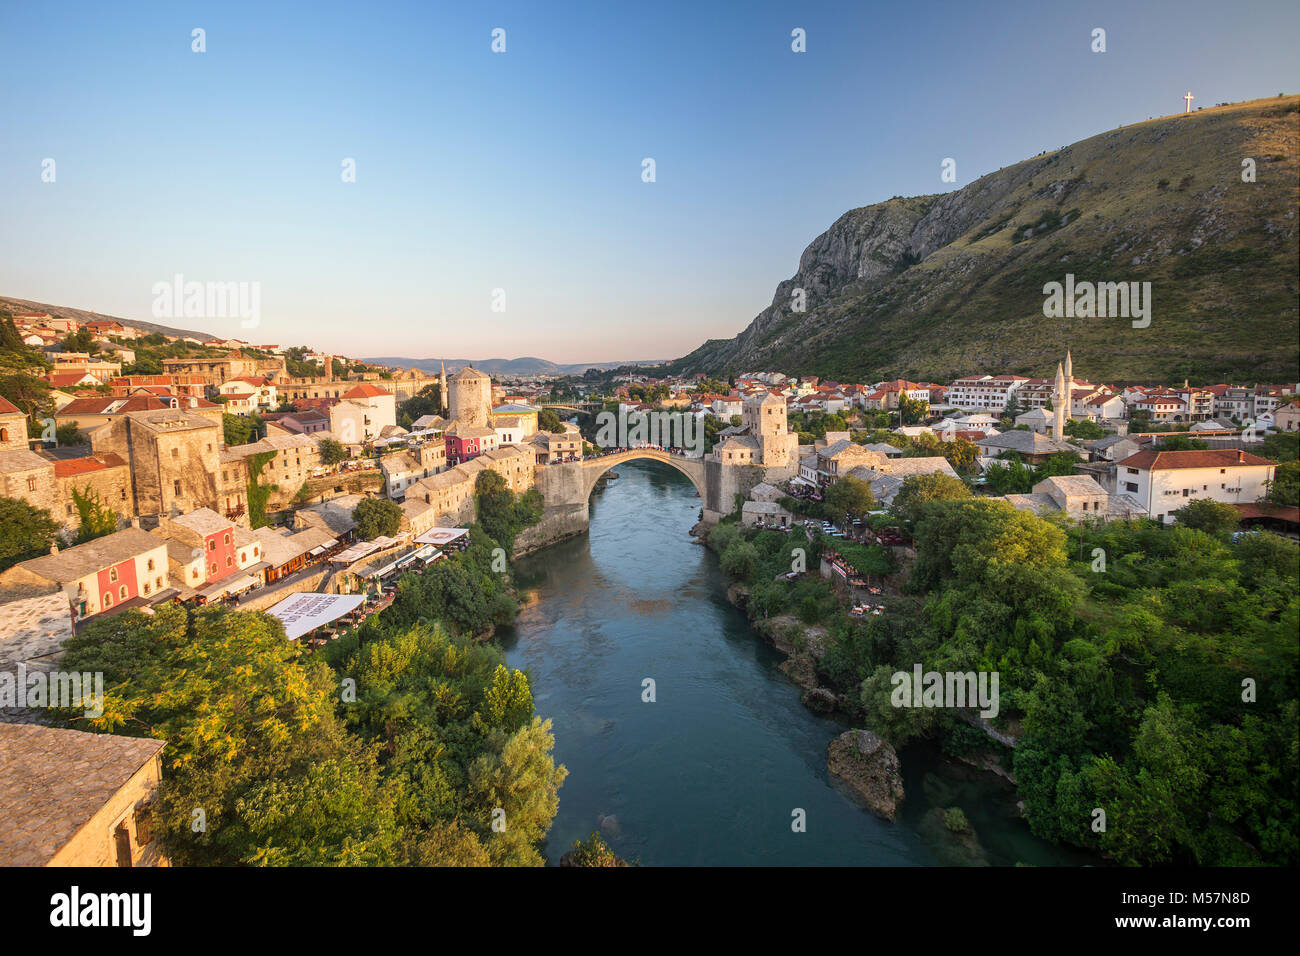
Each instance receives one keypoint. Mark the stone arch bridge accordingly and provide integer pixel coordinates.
(593, 468)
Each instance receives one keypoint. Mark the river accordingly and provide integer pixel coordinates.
(713, 770)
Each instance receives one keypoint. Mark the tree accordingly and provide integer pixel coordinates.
(1013, 407)
(237, 429)
(1213, 517)
(427, 401)
(502, 513)
(1183, 443)
(592, 851)
(1084, 429)
(252, 738)
(80, 341)
(548, 421)
(849, 496)
(332, 451)
(912, 410)
(961, 454)
(25, 532)
(517, 778)
(376, 517)
(95, 517)
(68, 434)
(919, 490)
(1284, 489)
(739, 560)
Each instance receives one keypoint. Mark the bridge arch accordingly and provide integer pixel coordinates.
(692, 468)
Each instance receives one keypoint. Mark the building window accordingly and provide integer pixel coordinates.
(176, 486)
(176, 453)
(229, 560)
(31, 484)
(108, 600)
(112, 574)
(150, 565)
(121, 592)
(227, 537)
(212, 545)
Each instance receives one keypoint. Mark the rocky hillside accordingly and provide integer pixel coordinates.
(933, 287)
(11, 305)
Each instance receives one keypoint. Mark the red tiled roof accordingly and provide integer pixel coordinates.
(1213, 458)
(366, 390)
(7, 407)
(64, 379)
(1253, 510)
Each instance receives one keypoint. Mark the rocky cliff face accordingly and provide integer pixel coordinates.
(937, 286)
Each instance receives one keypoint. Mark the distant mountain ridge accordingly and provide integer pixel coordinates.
(940, 286)
(521, 367)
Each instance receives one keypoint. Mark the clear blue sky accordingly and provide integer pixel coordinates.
(522, 170)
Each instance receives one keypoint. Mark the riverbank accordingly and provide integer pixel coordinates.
(870, 772)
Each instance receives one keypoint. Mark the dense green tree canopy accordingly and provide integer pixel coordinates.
(25, 531)
(376, 517)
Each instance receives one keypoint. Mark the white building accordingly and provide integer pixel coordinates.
(984, 393)
(1164, 481)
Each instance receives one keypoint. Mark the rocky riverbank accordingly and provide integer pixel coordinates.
(870, 768)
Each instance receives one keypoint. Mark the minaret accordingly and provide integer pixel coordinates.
(1069, 384)
(1058, 405)
(442, 386)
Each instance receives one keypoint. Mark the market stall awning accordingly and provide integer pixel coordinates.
(232, 585)
(305, 612)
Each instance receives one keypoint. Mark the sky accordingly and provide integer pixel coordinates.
(499, 207)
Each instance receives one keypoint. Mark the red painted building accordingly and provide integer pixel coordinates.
(218, 537)
(461, 448)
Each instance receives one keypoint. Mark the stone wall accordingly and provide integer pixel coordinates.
(113, 485)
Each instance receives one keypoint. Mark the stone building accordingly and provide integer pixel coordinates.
(13, 427)
(128, 567)
(78, 799)
(26, 475)
(405, 468)
(234, 364)
(174, 458)
(104, 475)
(470, 397)
(296, 458)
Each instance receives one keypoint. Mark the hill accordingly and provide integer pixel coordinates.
(519, 367)
(934, 287)
(9, 304)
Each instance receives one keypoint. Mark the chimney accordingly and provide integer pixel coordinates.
(54, 548)
(1241, 455)
(135, 521)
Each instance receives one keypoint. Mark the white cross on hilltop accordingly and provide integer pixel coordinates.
(1189, 97)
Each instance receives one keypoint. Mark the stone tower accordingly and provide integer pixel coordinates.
(1059, 400)
(765, 417)
(1069, 376)
(442, 387)
(469, 397)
